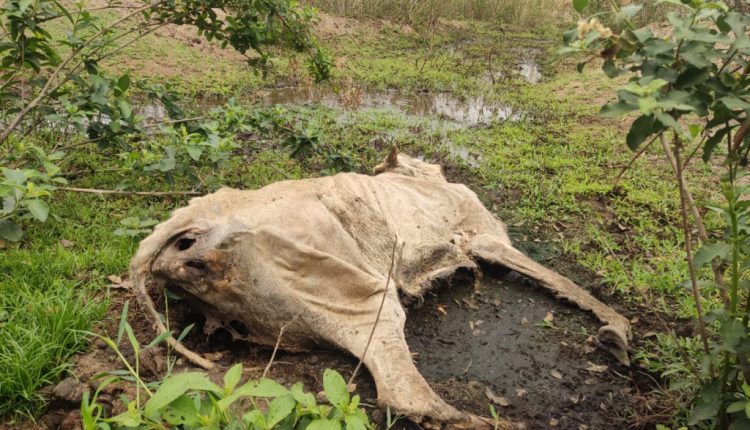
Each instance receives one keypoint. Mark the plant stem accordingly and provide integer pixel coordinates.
(688, 245)
(380, 309)
(702, 234)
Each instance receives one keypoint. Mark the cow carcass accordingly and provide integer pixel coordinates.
(314, 256)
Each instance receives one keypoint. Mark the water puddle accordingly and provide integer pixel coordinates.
(468, 111)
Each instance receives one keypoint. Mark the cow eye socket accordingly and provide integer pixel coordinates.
(184, 243)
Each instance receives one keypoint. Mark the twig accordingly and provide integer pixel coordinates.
(380, 309)
(175, 121)
(276, 347)
(131, 193)
(702, 234)
(636, 156)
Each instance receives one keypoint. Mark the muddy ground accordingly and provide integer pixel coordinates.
(498, 339)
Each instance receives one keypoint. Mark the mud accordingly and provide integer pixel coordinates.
(493, 335)
(476, 341)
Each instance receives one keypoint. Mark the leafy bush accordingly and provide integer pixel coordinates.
(56, 90)
(690, 93)
(190, 400)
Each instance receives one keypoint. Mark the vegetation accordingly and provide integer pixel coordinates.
(189, 400)
(690, 92)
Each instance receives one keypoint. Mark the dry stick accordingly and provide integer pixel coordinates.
(45, 91)
(276, 347)
(702, 234)
(380, 309)
(131, 193)
(636, 156)
(688, 245)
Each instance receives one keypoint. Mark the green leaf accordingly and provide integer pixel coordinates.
(324, 424)
(580, 5)
(194, 152)
(631, 10)
(647, 105)
(123, 83)
(23, 5)
(642, 127)
(182, 411)
(263, 388)
(733, 102)
(305, 399)
(710, 252)
(708, 403)
(615, 109)
(335, 388)
(10, 231)
(256, 418)
(279, 409)
(159, 339)
(125, 109)
(732, 331)
(38, 209)
(232, 378)
(736, 407)
(354, 422)
(175, 386)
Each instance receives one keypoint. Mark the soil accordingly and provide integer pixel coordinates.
(477, 342)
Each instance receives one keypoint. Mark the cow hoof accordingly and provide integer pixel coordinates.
(615, 341)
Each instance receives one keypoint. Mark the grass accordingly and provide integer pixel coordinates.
(549, 176)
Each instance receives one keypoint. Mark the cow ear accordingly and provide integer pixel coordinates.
(390, 162)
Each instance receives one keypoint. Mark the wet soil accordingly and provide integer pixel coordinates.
(477, 342)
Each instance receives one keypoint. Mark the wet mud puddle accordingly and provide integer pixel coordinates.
(505, 341)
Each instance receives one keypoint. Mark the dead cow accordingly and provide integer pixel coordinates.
(314, 256)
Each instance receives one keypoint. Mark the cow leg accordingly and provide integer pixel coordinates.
(399, 384)
(613, 336)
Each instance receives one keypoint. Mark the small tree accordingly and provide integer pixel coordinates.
(690, 92)
(58, 86)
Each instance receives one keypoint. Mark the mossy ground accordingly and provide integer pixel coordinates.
(550, 175)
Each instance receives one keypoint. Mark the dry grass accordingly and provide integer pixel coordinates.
(424, 12)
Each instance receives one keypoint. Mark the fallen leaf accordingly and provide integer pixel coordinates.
(575, 399)
(471, 325)
(634, 320)
(500, 401)
(649, 334)
(555, 374)
(553, 422)
(2, 244)
(351, 388)
(114, 279)
(66, 243)
(549, 317)
(441, 309)
(598, 368)
(524, 321)
(520, 392)
(583, 427)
